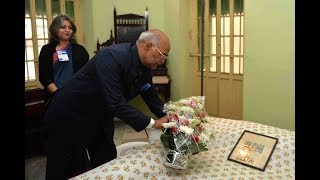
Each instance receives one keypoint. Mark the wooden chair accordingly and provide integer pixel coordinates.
(128, 27)
(103, 45)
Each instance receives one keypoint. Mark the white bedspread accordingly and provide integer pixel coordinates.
(146, 162)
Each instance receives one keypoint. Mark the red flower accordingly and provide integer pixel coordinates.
(174, 130)
(195, 138)
(184, 122)
(201, 115)
(175, 117)
(192, 104)
(199, 128)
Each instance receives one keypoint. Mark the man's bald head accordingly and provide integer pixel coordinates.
(154, 36)
(153, 47)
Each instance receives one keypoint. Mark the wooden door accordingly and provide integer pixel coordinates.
(223, 56)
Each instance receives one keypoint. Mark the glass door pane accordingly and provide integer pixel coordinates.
(70, 8)
(55, 8)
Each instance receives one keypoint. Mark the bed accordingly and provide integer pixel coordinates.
(146, 161)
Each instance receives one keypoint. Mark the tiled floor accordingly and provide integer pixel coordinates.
(35, 166)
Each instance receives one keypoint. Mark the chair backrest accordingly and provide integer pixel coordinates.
(103, 45)
(128, 27)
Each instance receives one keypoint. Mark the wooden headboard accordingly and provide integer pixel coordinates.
(128, 27)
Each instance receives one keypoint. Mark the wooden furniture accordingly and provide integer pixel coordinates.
(103, 45)
(128, 27)
(162, 81)
(163, 88)
(35, 128)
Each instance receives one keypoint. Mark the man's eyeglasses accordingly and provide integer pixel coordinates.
(163, 55)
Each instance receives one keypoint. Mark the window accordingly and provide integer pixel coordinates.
(226, 43)
(38, 16)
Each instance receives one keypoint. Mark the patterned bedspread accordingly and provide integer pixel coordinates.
(146, 162)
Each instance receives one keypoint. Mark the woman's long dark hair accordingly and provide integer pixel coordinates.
(56, 24)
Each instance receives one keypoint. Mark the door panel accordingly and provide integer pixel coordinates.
(237, 99)
(223, 57)
(225, 98)
(212, 96)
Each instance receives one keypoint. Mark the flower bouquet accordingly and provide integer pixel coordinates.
(188, 131)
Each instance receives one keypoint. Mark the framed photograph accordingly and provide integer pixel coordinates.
(253, 150)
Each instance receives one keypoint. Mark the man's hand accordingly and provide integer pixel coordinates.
(158, 123)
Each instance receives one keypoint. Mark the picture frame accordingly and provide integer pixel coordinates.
(253, 150)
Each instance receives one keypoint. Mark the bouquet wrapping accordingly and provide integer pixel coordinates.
(188, 131)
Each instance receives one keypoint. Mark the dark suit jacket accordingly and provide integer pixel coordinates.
(101, 90)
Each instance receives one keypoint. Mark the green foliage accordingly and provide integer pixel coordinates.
(188, 147)
(167, 140)
(193, 148)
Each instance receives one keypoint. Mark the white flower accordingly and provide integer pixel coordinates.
(169, 125)
(187, 109)
(199, 105)
(172, 107)
(183, 101)
(208, 128)
(181, 117)
(194, 121)
(204, 137)
(186, 130)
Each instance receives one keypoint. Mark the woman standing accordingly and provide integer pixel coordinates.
(61, 57)
(58, 61)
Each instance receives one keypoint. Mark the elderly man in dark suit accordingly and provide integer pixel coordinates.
(80, 115)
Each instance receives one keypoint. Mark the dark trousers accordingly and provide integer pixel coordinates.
(66, 160)
(67, 156)
(74, 129)
(101, 151)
